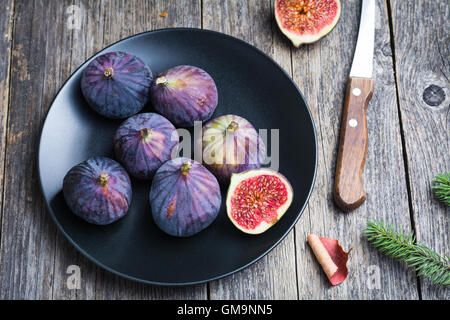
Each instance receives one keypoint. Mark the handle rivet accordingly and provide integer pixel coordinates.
(356, 92)
(352, 122)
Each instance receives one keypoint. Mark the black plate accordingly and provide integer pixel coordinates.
(250, 84)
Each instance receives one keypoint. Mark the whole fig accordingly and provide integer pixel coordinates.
(144, 142)
(231, 145)
(184, 94)
(116, 84)
(185, 197)
(98, 190)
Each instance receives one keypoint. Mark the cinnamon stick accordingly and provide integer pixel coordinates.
(322, 255)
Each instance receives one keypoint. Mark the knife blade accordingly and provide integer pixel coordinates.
(362, 65)
(349, 191)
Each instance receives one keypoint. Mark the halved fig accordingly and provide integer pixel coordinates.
(306, 21)
(257, 199)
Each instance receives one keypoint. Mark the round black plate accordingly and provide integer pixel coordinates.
(250, 84)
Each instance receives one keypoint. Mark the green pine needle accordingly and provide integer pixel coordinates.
(441, 188)
(423, 260)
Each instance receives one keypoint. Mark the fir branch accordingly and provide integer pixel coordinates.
(423, 260)
(441, 188)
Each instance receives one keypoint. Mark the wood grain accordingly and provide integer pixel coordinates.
(80, 43)
(6, 25)
(349, 191)
(321, 71)
(422, 37)
(272, 277)
(28, 235)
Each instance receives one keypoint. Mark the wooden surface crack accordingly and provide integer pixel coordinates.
(7, 15)
(402, 133)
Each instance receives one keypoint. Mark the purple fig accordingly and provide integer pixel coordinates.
(184, 94)
(231, 145)
(185, 197)
(98, 190)
(144, 142)
(116, 84)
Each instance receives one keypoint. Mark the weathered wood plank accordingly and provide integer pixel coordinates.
(27, 238)
(102, 24)
(84, 38)
(273, 277)
(422, 36)
(321, 70)
(6, 25)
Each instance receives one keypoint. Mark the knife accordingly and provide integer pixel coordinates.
(349, 191)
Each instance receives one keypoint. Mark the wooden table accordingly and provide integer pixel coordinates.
(41, 44)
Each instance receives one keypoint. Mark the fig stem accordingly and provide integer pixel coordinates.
(233, 126)
(109, 73)
(104, 177)
(161, 80)
(145, 134)
(185, 168)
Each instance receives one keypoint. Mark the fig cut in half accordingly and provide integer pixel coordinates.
(306, 21)
(257, 199)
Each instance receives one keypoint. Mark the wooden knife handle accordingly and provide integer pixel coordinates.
(349, 191)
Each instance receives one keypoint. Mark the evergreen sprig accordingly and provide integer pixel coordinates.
(441, 188)
(423, 260)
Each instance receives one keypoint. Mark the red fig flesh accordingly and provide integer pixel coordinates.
(257, 199)
(306, 21)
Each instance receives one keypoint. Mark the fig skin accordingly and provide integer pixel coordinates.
(144, 142)
(184, 94)
(185, 197)
(116, 84)
(98, 190)
(245, 150)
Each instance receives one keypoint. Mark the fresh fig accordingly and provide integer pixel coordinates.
(98, 190)
(184, 94)
(144, 142)
(306, 21)
(116, 84)
(257, 199)
(185, 197)
(231, 145)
